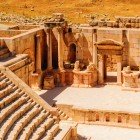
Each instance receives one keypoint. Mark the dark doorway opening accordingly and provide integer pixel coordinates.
(55, 56)
(54, 50)
(72, 53)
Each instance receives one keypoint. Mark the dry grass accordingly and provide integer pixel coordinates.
(75, 10)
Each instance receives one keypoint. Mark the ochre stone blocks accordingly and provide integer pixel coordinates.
(48, 82)
(131, 80)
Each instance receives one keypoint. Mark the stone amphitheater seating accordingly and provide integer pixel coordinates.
(21, 118)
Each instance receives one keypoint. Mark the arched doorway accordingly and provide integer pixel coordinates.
(72, 53)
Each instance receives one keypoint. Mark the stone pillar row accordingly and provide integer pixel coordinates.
(60, 48)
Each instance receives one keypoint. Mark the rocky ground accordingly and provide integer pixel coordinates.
(76, 11)
(13, 18)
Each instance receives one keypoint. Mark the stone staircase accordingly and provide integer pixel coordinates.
(4, 53)
(62, 115)
(21, 118)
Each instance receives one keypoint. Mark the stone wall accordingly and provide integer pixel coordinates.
(10, 33)
(23, 69)
(82, 38)
(134, 48)
(25, 27)
(102, 117)
(23, 43)
(117, 35)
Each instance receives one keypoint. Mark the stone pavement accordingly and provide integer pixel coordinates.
(97, 132)
(108, 97)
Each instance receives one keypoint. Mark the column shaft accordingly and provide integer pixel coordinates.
(119, 69)
(49, 50)
(60, 49)
(95, 54)
(101, 69)
(38, 53)
(94, 49)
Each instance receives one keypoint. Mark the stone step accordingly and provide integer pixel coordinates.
(4, 92)
(2, 77)
(41, 130)
(4, 51)
(60, 112)
(62, 115)
(1, 74)
(12, 107)
(11, 97)
(52, 132)
(23, 121)
(4, 56)
(9, 83)
(12, 119)
(33, 125)
(3, 84)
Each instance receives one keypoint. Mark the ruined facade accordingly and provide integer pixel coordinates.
(53, 49)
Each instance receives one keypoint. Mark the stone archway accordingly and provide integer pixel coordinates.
(72, 53)
(109, 47)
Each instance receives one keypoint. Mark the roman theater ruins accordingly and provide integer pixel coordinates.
(59, 79)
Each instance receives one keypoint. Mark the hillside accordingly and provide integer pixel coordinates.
(76, 11)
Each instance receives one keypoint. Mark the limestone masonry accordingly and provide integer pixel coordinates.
(59, 54)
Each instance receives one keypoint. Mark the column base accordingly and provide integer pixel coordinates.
(119, 83)
(49, 68)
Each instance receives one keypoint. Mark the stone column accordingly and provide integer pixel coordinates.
(38, 53)
(119, 69)
(94, 48)
(101, 69)
(49, 46)
(95, 54)
(60, 49)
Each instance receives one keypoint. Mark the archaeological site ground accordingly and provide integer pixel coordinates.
(66, 81)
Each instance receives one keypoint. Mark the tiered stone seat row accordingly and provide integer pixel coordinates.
(20, 117)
